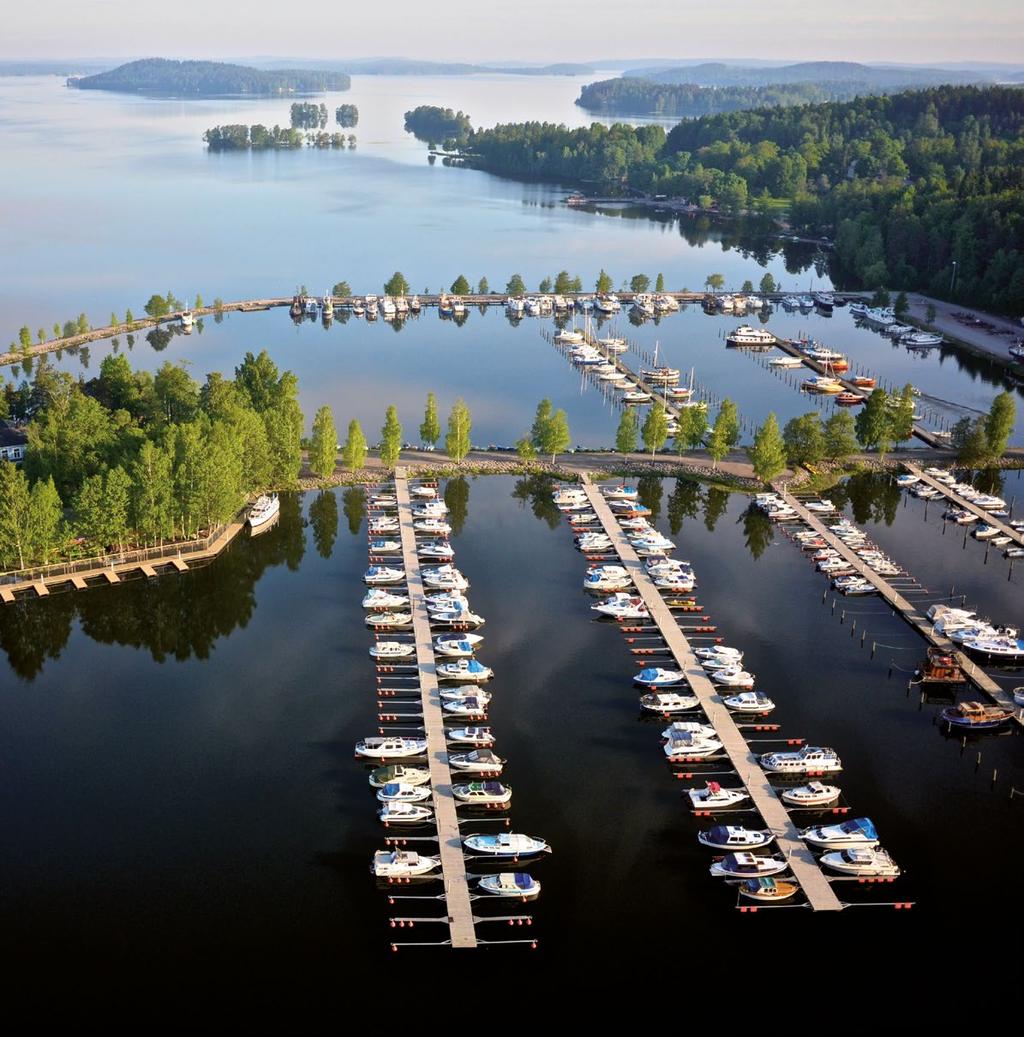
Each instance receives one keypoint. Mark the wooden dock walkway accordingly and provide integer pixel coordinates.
(802, 862)
(906, 609)
(453, 865)
(962, 502)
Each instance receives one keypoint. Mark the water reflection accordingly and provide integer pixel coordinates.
(456, 496)
(649, 490)
(323, 516)
(537, 490)
(173, 617)
(758, 531)
(354, 506)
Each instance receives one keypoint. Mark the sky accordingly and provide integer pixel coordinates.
(908, 31)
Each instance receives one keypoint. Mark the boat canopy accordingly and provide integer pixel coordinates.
(494, 788)
(861, 825)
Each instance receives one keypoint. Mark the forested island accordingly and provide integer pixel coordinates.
(346, 115)
(430, 123)
(239, 137)
(903, 184)
(308, 116)
(208, 79)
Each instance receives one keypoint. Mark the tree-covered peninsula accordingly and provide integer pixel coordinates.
(904, 185)
(208, 79)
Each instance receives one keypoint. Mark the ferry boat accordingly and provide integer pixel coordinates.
(263, 511)
(746, 337)
(517, 884)
(402, 864)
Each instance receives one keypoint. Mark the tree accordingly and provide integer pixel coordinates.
(880, 298)
(768, 285)
(563, 283)
(460, 286)
(639, 283)
(56, 333)
(714, 281)
(901, 305)
(540, 423)
(15, 517)
(804, 439)
(901, 425)
(545, 286)
(555, 435)
(41, 335)
(718, 441)
(396, 284)
(81, 325)
(323, 447)
(152, 505)
(525, 449)
(973, 446)
(729, 419)
(341, 290)
(199, 301)
(483, 288)
(457, 442)
(655, 429)
(626, 436)
(129, 317)
(353, 452)
(999, 423)
(25, 337)
(768, 453)
(747, 287)
(45, 516)
(604, 282)
(873, 422)
(516, 285)
(117, 488)
(693, 424)
(430, 429)
(391, 438)
(176, 394)
(659, 283)
(839, 439)
(157, 306)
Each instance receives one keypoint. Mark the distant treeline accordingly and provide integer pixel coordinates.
(904, 184)
(238, 137)
(430, 123)
(630, 96)
(208, 78)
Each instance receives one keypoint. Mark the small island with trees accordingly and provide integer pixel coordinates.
(346, 116)
(430, 123)
(208, 79)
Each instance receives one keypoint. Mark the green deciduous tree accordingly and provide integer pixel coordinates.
(460, 286)
(25, 337)
(555, 435)
(563, 282)
(341, 290)
(840, 441)
(604, 283)
(15, 517)
(804, 439)
(768, 452)
(430, 427)
(525, 448)
(874, 422)
(973, 443)
(516, 285)
(729, 419)
(152, 503)
(767, 285)
(901, 426)
(458, 441)
(693, 424)
(626, 435)
(323, 447)
(483, 287)
(714, 281)
(391, 438)
(659, 283)
(46, 516)
(545, 286)
(655, 429)
(353, 451)
(639, 283)
(999, 423)
(396, 284)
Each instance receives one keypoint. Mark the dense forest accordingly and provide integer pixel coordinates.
(135, 458)
(430, 123)
(903, 184)
(208, 78)
(629, 96)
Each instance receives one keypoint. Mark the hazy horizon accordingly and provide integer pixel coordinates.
(918, 32)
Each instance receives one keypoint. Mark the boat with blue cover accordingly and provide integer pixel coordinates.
(734, 837)
(857, 832)
(657, 677)
(464, 670)
(518, 884)
(747, 866)
(976, 716)
(767, 890)
(403, 792)
(506, 844)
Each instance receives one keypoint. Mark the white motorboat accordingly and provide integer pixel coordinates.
(687, 745)
(749, 702)
(430, 509)
(403, 792)
(423, 492)
(512, 884)
(381, 574)
(186, 319)
(389, 620)
(398, 772)
(636, 396)
(607, 578)
(1004, 649)
(688, 727)
(506, 844)
(464, 670)
(404, 814)
(480, 736)
(471, 707)
(734, 837)
(857, 832)
(434, 550)
(747, 866)
(714, 797)
(786, 361)
(733, 677)
(813, 794)
(873, 862)
(383, 500)
(383, 524)
(392, 650)
(454, 649)
(402, 864)
(263, 510)
(385, 547)
(921, 340)
(657, 677)
(378, 599)
(719, 652)
(569, 495)
(463, 691)
(483, 793)
(446, 577)
(432, 525)
(808, 759)
(724, 662)
(385, 747)
(622, 606)
(746, 337)
(460, 619)
(479, 761)
(668, 702)
(619, 492)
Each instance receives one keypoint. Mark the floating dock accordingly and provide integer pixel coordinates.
(453, 865)
(974, 673)
(802, 862)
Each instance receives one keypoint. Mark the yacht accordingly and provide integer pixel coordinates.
(620, 492)
(719, 653)
(392, 650)
(808, 759)
(513, 884)
(734, 837)
(714, 797)
(446, 577)
(385, 547)
(379, 599)
(515, 307)
(636, 396)
(389, 620)
(857, 832)
(404, 814)
(872, 862)
(622, 606)
(607, 304)
(483, 793)
(668, 702)
(749, 702)
(414, 304)
(388, 309)
(506, 844)
(747, 866)
(733, 677)
(381, 574)
(746, 337)
(813, 794)
(434, 550)
(658, 677)
(263, 510)
(822, 384)
(643, 304)
(436, 526)
(460, 649)
(690, 745)
(880, 318)
(478, 761)
(607, 578)
(402, 864)
(998, 648)
(388, 746)
(464, 670)
(186, 320)
(403, 792)
(921, 340)
(478, 736)
(468, 706)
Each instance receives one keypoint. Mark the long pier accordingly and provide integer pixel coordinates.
(802, 862)
(453, 865)
(962, 502)
(977, 676)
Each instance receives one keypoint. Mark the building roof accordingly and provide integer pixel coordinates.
(11, 436)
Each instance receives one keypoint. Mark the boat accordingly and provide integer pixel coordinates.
(808, 759)
(813, 794)
(636, 396)
(483, 793)
(389, 620)
(822, 384)
(423, 492)
(404, 814)
(1005, 649)
(864, 382)
(472, 707)
(460, 649)
(506, 844)
(620, 492)
(850, 399)
(733, 837)
(857, 832)
(263, 510)
(785, 361)
(746, 866)
(767, 890)
(398, 772)
(657, 677)
(479, 761)
(714, 797)
(746, 337)
(385, 547)
(668, 702)
(823, 300)
(403, 792)
(733, 677)
(435, 551)
(383, 747)
(480, 736)
(749, 702)
(921, 340)
(872, 862)
(976, 716)
(432, 525)
(464, 670)
(380, 599)
(445, 577)
(719, 652)
(381, 574)
(402, 864)
(392, 650)
(622, 606)
(186, 319)
(687, 745)
(517, 884)
(607, 578)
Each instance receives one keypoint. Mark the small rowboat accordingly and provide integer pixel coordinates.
(767, 890)
(850, 399)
